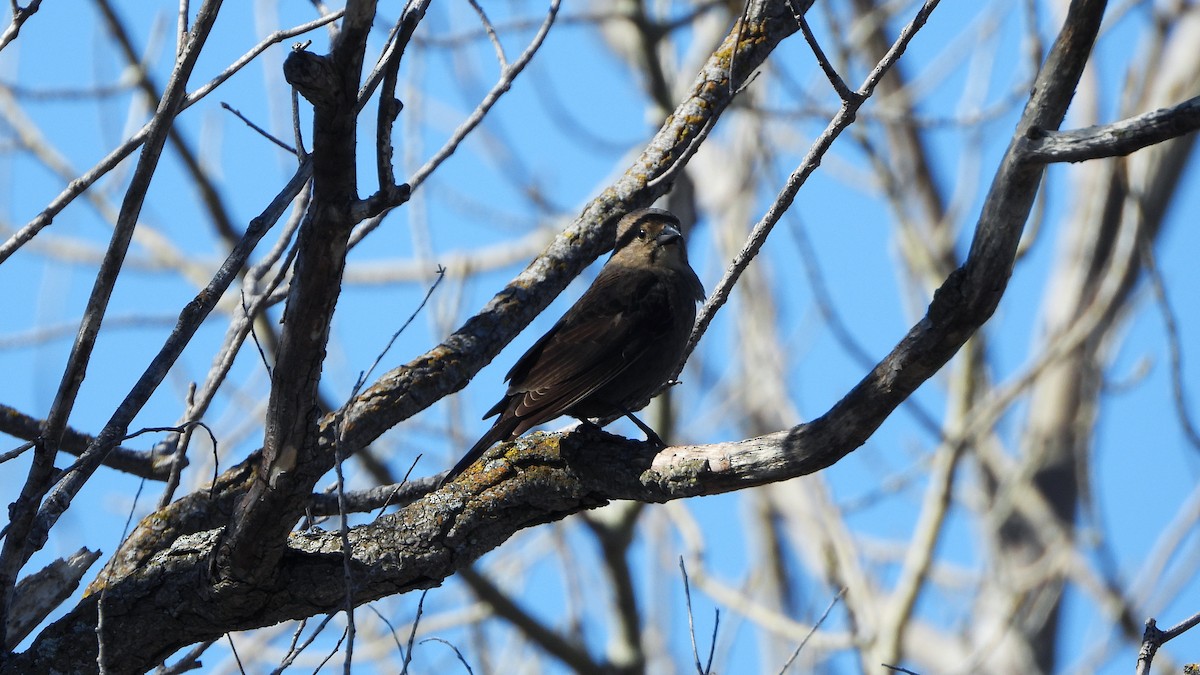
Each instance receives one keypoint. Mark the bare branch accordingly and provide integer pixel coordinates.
(1153, 638)
(118, 154)
(507, 75)
(19, 16)
(145, 464)
(40, 593)
(783, 201)
(22, 539)
(1116, 139)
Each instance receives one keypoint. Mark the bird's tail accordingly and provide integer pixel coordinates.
(500, 431)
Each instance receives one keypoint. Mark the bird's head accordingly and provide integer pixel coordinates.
(651, 237)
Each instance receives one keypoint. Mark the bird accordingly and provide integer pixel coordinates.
(615, 347)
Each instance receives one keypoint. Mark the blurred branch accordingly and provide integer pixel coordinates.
(615, 528)
(210, 197)
(935, 509)
(1174, 344)
(573, 655)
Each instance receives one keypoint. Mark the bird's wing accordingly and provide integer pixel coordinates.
(617, 319)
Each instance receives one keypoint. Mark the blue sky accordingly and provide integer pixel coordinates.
(1142, 468)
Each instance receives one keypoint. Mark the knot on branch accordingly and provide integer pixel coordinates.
(313, 76)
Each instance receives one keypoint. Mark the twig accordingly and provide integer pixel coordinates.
(412, 634)
(294, 651)
(391, 628)
(687, 594)
(100, 614)
(1153, 638)
(839, 85)
(347, 549)
(333, 652)
(783, 201)
(236, 657)
(189, 661)
(813, 631)
(461, 659)
(19, 16)
(297, 131)
(389, 196)
(262, 132)
(491, 34)
(507, 75)
(441, 274)
(179, 456)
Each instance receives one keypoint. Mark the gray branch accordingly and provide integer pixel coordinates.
(1116, 139)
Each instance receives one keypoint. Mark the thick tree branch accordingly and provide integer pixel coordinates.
(545, 477)
(411, 388)
(447, 368)
(290, 464)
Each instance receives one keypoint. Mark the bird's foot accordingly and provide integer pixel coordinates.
(587, 425)
(651, 436)
(654, 439)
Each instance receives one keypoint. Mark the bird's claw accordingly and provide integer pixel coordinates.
(655, 440)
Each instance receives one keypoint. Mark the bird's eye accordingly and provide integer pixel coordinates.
(642, 233)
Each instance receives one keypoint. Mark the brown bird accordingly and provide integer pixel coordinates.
(615, 347)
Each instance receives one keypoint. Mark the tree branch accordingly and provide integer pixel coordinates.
(167, 603)
(152, 465)
(25, 536)
(447, 368)
(290, 465)
(1116, 139)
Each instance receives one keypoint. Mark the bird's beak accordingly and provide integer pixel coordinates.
(669, 234)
